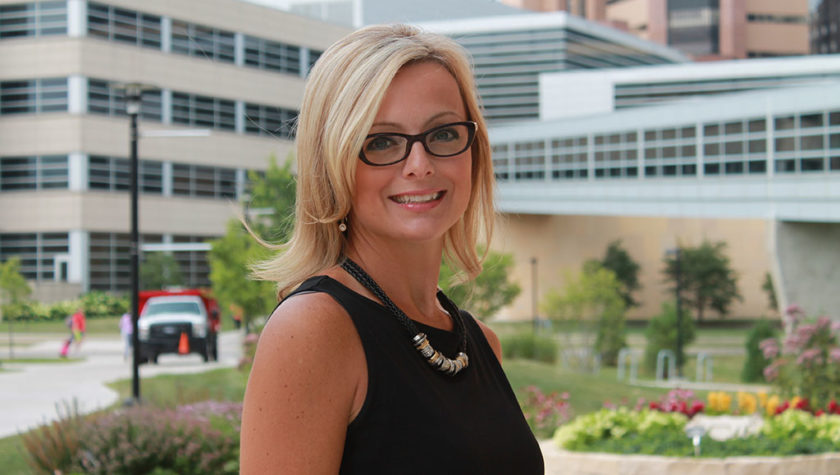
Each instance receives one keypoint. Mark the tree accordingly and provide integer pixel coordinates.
(593, 301)
(706, 278)
(160, 270)
(626, 270)
(13, 286)
(767, 287)
(661, 334)
(273, 194)
(488, 292)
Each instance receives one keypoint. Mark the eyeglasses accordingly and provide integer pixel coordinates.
(445, 140)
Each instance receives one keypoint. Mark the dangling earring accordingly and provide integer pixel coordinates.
(342, 226)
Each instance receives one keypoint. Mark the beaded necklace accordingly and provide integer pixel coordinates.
(436, 359)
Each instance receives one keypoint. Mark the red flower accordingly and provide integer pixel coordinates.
(833, 407)
(654, 405)
(819, 412)
(803, 405)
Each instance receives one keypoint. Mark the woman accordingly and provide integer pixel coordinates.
(365, 367)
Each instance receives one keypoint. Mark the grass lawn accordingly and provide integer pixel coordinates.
(41, 360)
(13, 455)
(175, 389)
(98, 326)
(587, 392)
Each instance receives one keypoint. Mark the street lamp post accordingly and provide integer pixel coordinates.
(133, 96)
(534, 294)
(677, 253)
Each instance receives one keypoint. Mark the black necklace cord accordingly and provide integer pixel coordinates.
(437, 360)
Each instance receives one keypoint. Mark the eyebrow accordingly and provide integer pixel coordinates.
(431, 119)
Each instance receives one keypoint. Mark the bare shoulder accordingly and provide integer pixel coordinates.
(492, 339)
(304, 388)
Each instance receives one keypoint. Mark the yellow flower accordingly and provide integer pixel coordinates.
(747, 403)
(772, 403)
(762, 399)
(719, 401)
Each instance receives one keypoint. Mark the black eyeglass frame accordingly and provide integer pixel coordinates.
(421, 137)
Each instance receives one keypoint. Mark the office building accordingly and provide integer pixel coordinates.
(231, 68)
(702, 29)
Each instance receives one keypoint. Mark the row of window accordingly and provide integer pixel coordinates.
(146, 30)
(114, 174)
(37, 253)
(33, 19)
(34, 173)
(806, 142)
(110, 264)
(31, 96)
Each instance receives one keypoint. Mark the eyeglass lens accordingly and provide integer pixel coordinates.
(443, 141)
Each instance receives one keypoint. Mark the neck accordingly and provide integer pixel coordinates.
(408, 275)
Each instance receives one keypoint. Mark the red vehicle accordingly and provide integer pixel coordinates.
(178, 321)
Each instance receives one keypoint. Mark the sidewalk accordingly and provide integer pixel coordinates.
(33, 393)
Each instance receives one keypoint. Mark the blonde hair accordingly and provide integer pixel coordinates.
(342, 97)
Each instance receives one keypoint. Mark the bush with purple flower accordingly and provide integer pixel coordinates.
(805, 362)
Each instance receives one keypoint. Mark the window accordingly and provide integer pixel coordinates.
(110, 262)
(270, 121)
(202, 41)
(36, 251)
(272, 55)
(33, 96)
(34, 173)
(108, 100)
(114, 174)
(203, 181)
(123, 25)
(33, 19)
(203, 111)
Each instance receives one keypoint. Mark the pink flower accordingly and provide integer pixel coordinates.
(809, 357)
(771, 372)
(834, 355)
(794, 313)
(770, 348)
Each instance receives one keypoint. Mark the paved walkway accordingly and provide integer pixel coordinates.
(33, 394)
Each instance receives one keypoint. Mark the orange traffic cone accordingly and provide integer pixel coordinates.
(183, 344)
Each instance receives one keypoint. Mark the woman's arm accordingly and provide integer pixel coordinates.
(307, 383)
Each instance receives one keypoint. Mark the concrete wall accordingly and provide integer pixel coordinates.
(562, 243)
(809, 266)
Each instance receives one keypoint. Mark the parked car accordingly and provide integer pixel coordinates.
(178, 321)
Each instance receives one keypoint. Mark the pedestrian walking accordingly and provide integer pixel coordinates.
(126, 330)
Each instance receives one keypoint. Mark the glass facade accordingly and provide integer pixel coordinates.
(694, 26)
(20, 20)
(33, 173)
(202, 181)
(110, 262)
(508, 63)
(114, 174)
(37, 252)
(30, 96)
(105, 99)
(123, 25)
(801, 143)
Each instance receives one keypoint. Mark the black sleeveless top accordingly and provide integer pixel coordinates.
(416, 420)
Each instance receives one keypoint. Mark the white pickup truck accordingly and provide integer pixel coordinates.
(181, 322)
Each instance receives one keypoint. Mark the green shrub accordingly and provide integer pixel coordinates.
(753, 370)
(624, 431)
(530, 345)
(101, 304)
(194, 439)
(53, 447)
(661, 334)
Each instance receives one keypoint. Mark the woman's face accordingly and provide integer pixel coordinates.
(421, 197)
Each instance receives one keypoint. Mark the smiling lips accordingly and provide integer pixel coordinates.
(409, 199)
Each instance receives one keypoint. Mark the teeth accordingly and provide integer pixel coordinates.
(405, 199)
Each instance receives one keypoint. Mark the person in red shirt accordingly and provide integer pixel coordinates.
(78, 324)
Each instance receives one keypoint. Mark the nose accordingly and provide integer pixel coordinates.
(419, 162)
